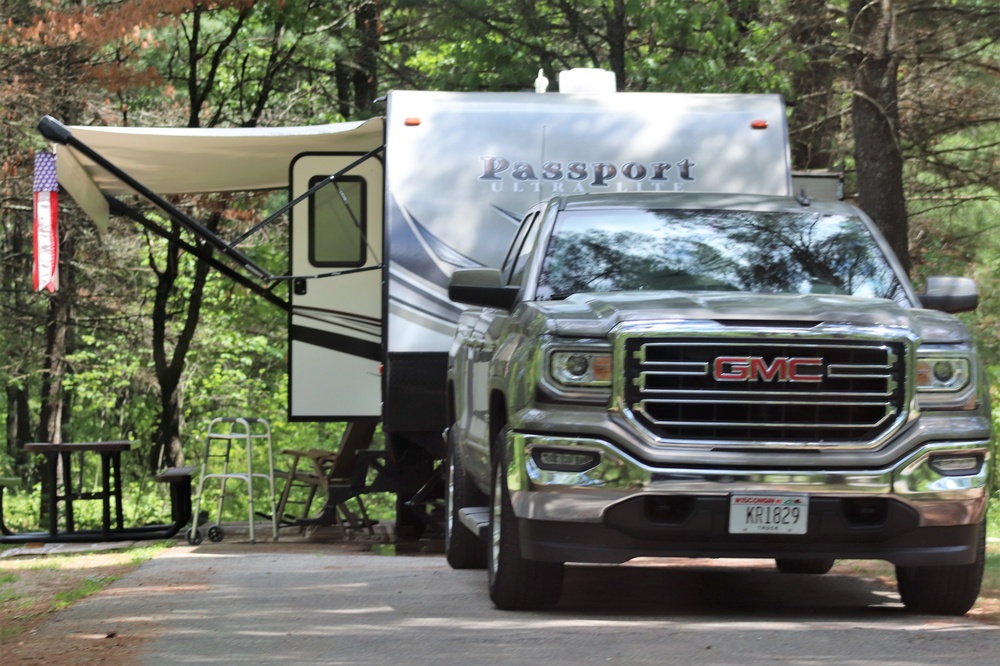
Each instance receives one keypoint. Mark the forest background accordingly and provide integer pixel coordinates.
(141, 342)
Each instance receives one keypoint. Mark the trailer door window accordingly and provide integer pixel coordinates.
(337, 222)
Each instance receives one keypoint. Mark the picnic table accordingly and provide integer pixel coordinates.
(109, 494)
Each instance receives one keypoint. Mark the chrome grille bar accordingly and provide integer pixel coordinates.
(748, 390)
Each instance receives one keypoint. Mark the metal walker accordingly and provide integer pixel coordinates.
(245, 430)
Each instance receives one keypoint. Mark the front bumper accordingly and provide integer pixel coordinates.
(907, 512)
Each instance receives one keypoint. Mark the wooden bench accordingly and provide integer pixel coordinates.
(179, 479)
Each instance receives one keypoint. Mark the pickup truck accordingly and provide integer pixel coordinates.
(695, 375)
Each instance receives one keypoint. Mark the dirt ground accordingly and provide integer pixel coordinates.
(33, 590)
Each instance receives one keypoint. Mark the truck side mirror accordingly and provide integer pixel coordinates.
(482, 287)
(950, 294)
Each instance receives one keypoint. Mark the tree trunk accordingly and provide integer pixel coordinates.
(368, 22)
(19, 357)
(18, 424)
(814, 120)
(169, 363)
(875, 115)
(342, 77)
(59, 342)
(59, 339)
(168, 449)
(616, 23)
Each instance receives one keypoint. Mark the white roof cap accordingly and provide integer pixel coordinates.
(584, 81)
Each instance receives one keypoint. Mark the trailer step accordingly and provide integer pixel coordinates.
(476, 519)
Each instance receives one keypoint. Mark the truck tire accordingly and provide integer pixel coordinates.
(815, 566)
(944, 590)
(463, 549)
(515, 583)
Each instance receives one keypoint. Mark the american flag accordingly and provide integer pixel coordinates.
(46, 269)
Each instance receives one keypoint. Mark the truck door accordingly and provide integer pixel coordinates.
(335, 328)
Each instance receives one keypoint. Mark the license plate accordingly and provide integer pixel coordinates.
(768, 514)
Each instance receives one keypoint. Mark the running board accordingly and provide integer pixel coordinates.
(476, 519)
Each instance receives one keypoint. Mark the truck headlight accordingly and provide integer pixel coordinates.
(946, 381)
(942, 374)
(579, 368)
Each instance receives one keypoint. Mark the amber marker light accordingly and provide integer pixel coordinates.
(758, 124)
(602, 368)
(411, 122)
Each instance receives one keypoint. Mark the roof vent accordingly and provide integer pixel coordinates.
(541, 83)
(584, 81)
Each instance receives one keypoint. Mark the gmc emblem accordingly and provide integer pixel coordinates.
(756, 369)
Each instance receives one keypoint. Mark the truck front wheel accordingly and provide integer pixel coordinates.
(515, 583)
(943, 590)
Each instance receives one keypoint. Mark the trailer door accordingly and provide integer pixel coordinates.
(335, 328)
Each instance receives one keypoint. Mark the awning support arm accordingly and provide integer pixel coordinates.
(120, 208)
(305, 195)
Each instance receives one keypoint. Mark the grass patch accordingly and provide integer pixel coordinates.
(991, 576)
(7, 592)
(987, 608)
(85, 589)
(33, 587)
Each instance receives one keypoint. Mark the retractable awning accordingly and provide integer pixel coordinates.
(192, 161)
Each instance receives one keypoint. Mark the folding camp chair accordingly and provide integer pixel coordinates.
(319, 469)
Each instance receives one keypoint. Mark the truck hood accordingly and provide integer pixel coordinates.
(594, 315)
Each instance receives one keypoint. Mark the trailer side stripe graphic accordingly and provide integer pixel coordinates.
(342, 343)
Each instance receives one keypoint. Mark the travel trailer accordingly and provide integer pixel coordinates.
(382, 211)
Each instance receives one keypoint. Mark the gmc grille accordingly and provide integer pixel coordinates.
(830, 391)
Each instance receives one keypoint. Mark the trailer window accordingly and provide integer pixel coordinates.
(337, 222)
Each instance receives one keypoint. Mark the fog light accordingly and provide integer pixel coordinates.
(565, 460)
(957, 465)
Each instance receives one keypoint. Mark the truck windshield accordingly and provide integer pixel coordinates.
(714, 250)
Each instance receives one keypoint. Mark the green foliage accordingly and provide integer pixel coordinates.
(258, 63)
(143, 503)
(294, 62)
(961, 239)
(662, 46)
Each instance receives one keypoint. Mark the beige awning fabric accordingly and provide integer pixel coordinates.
(190, 161)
